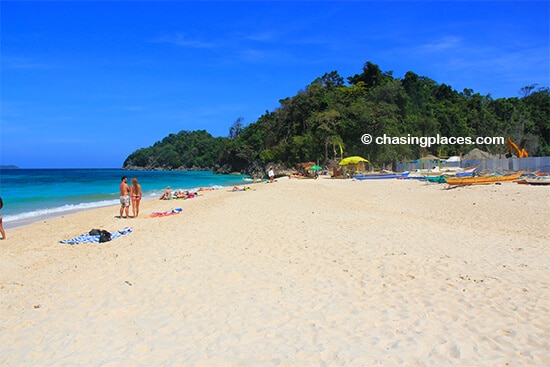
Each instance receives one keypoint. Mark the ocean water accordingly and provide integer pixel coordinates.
(33, 194)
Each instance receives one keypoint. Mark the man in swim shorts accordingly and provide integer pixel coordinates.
(124, 197)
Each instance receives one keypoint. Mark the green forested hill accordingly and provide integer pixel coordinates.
(330, 115)
(196, 149)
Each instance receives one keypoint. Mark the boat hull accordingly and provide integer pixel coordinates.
(481, 180)
(445, 171)
(436, 179)
(381, 176)
(540, 180)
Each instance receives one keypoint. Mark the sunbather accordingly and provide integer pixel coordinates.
(236, 188)
(167, 195)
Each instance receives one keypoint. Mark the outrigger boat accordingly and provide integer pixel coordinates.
(422, 174)
(435, 179)
(482, 180)
(381, 176)
(538, 180)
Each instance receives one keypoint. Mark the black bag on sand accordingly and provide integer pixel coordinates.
(104, 236)
(95, 232)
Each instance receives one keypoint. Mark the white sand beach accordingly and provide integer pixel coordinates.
(295, 273)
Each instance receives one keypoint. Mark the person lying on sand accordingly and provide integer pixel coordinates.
(296, 175)
(206, 189)
(237, 188)
(181, 194)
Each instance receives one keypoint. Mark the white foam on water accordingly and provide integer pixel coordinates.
(55, 211)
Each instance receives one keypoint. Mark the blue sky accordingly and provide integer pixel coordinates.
(84, 84)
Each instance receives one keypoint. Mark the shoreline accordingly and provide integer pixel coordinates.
(55, 212)
(55, 194)
(298, 272)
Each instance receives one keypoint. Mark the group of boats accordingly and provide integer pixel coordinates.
(457, 176)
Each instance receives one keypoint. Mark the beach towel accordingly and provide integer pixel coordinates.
(164, 214)
(88, 238)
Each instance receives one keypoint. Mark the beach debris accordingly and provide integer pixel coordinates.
(467, 278)
(127, 282)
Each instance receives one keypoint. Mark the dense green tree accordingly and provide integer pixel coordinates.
(371, 76)
(183, 150)
(327, 119)
(538, 105)
(236, 129)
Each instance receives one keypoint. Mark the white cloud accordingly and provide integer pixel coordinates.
(444, 44)
(182, 40)
(21, 63)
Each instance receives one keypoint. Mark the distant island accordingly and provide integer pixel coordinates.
(9, 166)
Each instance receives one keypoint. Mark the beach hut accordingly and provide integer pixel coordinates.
(477, 154)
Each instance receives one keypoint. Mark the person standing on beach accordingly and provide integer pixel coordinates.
(1, 226)
(136, 194)
(271, 174)
(124, 197)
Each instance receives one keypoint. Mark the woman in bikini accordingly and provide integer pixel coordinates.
(135, 194)
(2, 231)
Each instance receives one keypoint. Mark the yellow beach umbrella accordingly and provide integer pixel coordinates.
(352, 160)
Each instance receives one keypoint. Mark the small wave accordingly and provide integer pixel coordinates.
(248, 179)
(71, 208)
(35, 214)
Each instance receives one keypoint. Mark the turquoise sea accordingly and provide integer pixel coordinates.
(33, 194)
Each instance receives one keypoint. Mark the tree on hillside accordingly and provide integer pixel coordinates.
(236, 129)
(371, 76)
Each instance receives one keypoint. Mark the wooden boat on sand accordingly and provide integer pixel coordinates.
(422, 174)
(482, 180)
(538, 180)
(380, 176)
(436, 179)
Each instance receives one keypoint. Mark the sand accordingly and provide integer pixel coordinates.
(295, 273)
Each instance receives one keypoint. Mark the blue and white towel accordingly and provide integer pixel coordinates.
(86, 238)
